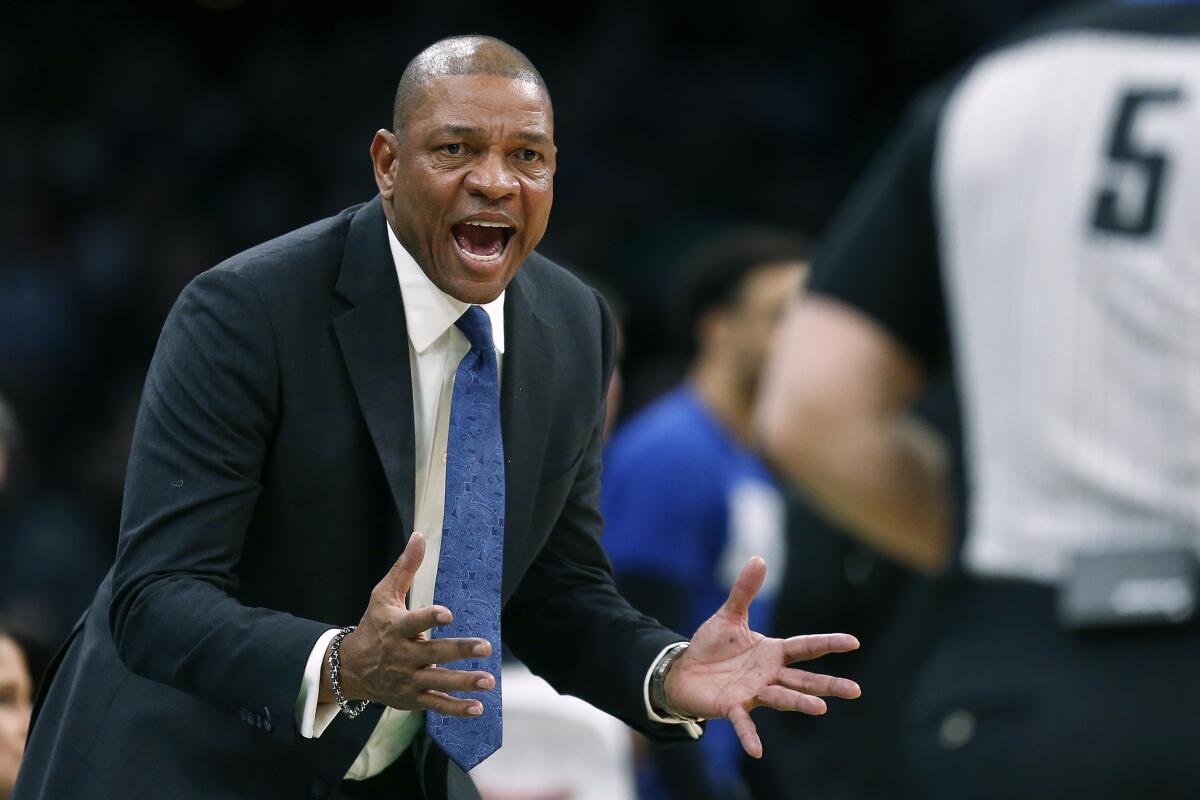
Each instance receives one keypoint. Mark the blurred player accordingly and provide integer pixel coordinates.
(685, 501)
(1039, 221)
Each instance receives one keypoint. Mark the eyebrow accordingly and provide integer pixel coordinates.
(536, 137)
(458, 130)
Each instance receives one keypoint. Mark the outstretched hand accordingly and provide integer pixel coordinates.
(391, 658)
(729, 669)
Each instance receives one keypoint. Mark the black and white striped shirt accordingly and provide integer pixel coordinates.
(1037, 221)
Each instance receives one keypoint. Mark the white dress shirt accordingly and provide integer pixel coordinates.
(435, 348)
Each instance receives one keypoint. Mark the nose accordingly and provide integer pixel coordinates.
(493, 178)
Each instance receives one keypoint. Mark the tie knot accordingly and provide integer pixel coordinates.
(477, 326)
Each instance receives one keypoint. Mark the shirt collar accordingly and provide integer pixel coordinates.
(428, 311)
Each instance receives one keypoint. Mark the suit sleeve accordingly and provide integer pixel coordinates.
(567, 621)
(203, 431)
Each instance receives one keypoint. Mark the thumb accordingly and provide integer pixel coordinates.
(398, 580)
(744, 589)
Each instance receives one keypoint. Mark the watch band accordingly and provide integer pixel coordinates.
(658, 683)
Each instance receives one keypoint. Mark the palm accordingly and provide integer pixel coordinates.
(727, 663)
(730, 669)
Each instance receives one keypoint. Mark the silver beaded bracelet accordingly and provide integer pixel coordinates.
(351, 710)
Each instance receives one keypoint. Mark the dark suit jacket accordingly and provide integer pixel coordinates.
(270, 486)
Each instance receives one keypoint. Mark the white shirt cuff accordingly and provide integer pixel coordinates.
(312, 718)
(692, 728)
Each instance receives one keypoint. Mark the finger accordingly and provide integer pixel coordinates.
(412, 624)
(805, 648)
(451, 706)
(781, 699)
(445, 651)
(398, 580)
(748, 582)
(746, 732)
(819, 685)
(453, 680)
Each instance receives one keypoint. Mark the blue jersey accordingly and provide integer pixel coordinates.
(685, 502)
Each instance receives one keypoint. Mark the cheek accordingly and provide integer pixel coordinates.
(537, 206)
(762, 342)
(427, 194)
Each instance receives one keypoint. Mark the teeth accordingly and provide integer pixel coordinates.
(483, 224)
(474, 257)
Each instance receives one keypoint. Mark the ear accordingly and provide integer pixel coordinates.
(384, 150)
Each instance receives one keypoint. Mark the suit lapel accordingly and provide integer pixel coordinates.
(374, 343)
(525, 404)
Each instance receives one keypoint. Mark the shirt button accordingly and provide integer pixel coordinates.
(957, 729)
(445, 456)
(318, 790)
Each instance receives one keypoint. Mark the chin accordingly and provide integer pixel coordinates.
(478, 295)
(475, 283)
(471, 290)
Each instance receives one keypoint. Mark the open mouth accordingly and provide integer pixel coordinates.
(482, 240)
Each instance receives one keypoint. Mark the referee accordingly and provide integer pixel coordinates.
(1036, 224)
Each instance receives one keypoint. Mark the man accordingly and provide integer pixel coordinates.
(1039, 218)
(685, 500)
(313, 401)
(14, 711)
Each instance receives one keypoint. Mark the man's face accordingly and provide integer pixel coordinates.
(15, 708)
(468, 183)
(764, 295)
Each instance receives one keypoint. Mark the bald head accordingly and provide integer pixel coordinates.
(460, 55)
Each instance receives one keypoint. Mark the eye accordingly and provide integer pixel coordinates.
(528, 155)
(453, 149)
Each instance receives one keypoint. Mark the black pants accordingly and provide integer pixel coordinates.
(1009, 705)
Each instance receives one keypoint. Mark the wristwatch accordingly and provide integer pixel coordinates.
(658, 684)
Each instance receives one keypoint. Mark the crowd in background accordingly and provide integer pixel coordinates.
(140, 148)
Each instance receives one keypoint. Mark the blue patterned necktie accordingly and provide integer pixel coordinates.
(472, 554)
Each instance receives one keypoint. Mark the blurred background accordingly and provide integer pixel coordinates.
(142, 144)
